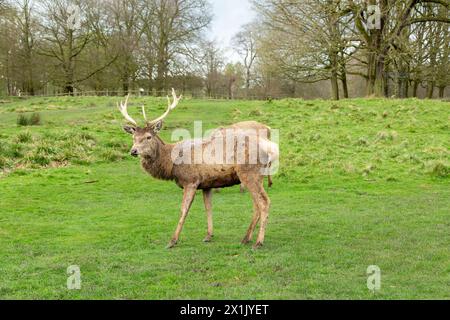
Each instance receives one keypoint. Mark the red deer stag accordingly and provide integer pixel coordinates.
(180, 162)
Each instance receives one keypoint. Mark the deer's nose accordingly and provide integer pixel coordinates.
(134, 153)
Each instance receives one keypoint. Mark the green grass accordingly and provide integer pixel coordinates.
(361, 182)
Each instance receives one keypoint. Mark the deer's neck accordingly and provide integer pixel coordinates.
(160, 165)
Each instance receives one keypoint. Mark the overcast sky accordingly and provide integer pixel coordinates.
(229, 16)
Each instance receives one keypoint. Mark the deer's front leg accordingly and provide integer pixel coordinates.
(207, 197)
(188, 198)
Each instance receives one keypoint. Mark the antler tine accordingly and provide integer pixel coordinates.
(123, 109)
(144, 113)
(171, 107)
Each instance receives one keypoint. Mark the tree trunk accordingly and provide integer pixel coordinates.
(334, 78)
(415, 88)
(371, 74)
(162, 68)
(441, 92)
(150, 80)
(344, 85)
(430, 89)
(69, 89)
(381, 77)
(125, 87)
(334, 86)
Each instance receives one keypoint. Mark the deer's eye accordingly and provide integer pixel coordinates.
(149, 138)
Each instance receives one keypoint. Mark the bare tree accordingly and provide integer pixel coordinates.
(28, 29)
(176, 24)
(127, 31)
(66, 36)
(68, 32)
(306, 39)
(245, 44)
(212, 63)
(9, 48)
(394, 17)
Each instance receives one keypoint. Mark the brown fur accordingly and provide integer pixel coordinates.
(253, 125)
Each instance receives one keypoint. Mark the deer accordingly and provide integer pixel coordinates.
(179, 162)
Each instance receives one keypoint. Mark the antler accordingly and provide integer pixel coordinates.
(171, 106)
(144, 114)
(123, 109)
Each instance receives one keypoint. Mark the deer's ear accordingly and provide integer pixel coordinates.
(130, 130)
(156, 128)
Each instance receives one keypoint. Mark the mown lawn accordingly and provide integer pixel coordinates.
(361, 182)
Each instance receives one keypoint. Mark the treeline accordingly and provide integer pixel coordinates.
(394, 46)
(303, 48)
(70, 45)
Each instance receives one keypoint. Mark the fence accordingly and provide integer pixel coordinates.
(239, 95)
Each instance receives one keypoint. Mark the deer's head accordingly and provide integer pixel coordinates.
(145, 140)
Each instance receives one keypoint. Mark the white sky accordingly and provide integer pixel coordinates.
(229, 17)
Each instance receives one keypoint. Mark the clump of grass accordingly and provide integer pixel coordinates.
(33, 120)
(117, 145)
(334, 107)
(391, 179)
(41, 160)
(440, 169)
(3, 162)
(368, 169)
(348, 168)
(43, 154)
(387, 136)
(47, 149)
(86, 136)
(315, 137)
(22, 120)
(255, 113)
(14, 151)
(362, 142)
(112, 155)
(24, 137)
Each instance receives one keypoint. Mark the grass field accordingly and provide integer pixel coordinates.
(361, 182)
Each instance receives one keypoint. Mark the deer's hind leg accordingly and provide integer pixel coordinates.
(261, 204)
(251, 228)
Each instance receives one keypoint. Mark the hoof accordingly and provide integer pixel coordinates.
(257, 246)
(245, 241)
(172, 244)
(208, 239)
